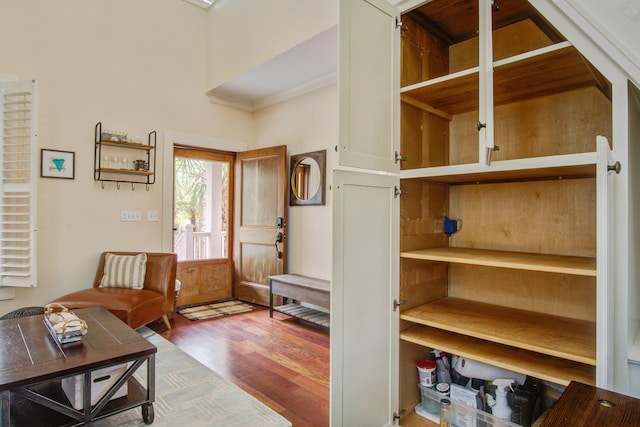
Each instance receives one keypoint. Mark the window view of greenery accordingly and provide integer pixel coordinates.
(200, 208)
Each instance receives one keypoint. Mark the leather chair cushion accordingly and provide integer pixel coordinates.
(132, 306)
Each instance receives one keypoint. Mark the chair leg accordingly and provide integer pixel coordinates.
(165, 319)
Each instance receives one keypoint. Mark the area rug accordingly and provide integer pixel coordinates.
(188, 394)
(217, 309)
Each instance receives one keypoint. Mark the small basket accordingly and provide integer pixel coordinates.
(64, 325)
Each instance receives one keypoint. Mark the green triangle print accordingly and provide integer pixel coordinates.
(59, 163)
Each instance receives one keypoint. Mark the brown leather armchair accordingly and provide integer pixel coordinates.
(135, 307)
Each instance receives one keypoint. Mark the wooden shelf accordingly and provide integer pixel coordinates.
(544, 71)
(414, 420)
(125, 171)
(146, 177)
(549, 368)
(24, 412)
(580, 266)
(556, 336)
(123, 144)
(455, 93)
(578, 165)
(305, 313)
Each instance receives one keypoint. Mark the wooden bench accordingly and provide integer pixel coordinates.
(301, 289)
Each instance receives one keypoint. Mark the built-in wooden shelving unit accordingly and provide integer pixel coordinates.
(548, 368)
(562, 337)
(582, 266)
(543, 71)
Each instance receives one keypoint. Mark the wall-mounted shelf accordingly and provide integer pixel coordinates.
(129, 173)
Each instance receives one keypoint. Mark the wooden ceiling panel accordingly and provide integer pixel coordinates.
(457, 20)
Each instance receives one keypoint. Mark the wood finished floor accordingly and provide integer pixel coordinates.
(282, 362)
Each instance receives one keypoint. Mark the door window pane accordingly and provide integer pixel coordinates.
(201, 208)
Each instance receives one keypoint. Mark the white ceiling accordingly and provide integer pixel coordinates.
(307, 66)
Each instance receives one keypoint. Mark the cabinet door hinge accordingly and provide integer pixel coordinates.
(400, 158)
(398, 192)
(398, 303)
(399, 414)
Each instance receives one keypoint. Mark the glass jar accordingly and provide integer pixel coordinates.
(445, 413)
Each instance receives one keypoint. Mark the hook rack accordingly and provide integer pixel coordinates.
(133, 184)
(144, 173)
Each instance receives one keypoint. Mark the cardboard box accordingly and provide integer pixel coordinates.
(102, 380)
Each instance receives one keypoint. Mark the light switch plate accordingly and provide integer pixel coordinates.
(129, 216)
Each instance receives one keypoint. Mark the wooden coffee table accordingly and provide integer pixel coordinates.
(32, 365)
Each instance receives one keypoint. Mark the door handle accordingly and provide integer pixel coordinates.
(279, 238)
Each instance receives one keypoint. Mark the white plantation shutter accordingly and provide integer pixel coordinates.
(18, 183)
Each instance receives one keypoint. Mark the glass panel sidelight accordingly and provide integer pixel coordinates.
(201, 208)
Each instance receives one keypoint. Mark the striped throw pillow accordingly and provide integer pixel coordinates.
(124, 271)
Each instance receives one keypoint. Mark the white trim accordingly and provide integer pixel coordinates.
(169, 139)
(406, 5)
(616, 48)
(219, 98)
(229, 101)
(578, 26)
(285, 95)
(441, 79)
(7, 77)
(204, 4)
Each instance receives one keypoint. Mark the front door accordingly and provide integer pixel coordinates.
(261, 248)
(203, 205)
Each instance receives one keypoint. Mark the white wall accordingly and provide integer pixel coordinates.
(135, 66)
(306, 123)
(246, 33)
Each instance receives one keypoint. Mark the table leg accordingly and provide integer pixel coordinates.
(151, 378)
(148, 414)
(5, 407)
(86, 395)
(270, 299)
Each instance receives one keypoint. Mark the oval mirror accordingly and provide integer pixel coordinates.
(307, 178)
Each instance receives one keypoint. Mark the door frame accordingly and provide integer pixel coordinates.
(171, 138)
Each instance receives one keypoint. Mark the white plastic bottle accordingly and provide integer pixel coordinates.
(501, 408)
(442, 373)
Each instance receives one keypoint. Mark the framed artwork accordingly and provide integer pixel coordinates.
(57, 164)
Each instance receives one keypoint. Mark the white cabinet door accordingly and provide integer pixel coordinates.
(605, 280)
(369, 85)
(364, 325)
